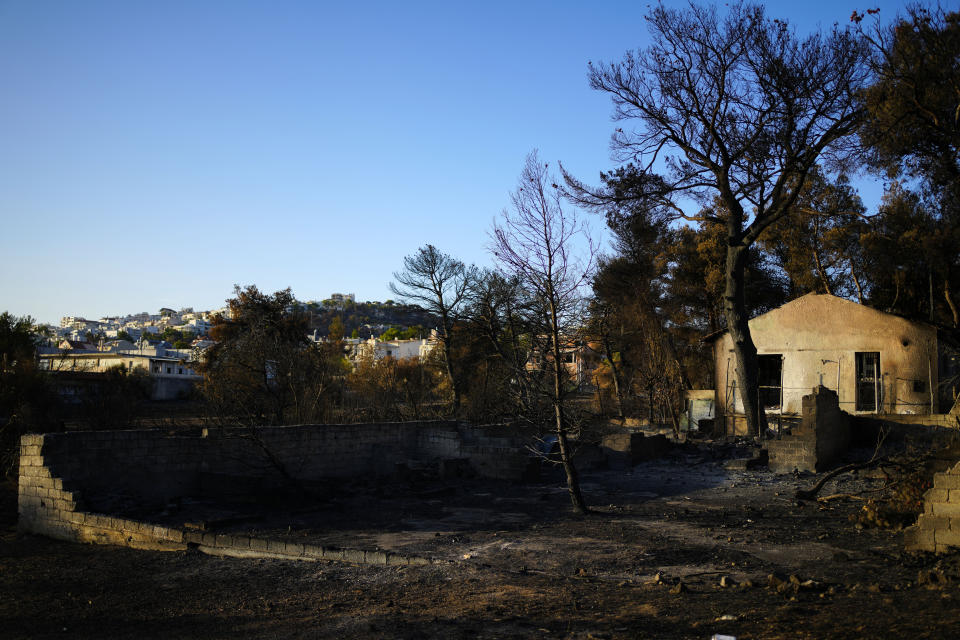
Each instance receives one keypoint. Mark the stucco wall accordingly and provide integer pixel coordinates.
(819, 335)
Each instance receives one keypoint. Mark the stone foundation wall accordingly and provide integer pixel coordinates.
(70, 482)
(938, 527)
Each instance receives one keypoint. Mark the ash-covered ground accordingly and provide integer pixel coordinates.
(680, 547)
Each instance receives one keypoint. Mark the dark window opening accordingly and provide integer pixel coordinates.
(771, 381)
(868, 380)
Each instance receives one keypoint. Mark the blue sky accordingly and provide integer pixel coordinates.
(156, 153)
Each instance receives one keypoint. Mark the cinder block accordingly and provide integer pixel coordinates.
(27, 450)
(936, 495)
(209, 540)
(946, 509)
(930, 522)
(353, 555)
(293, 548)
(276, 546)
(946, 481)
(193, 537)
(947, 537)
(332, 553)
(31, 439)
(224, 540)
(375, 557)
(258, 544)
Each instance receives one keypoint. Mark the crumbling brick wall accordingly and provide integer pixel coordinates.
(938, 527)
(820, 440)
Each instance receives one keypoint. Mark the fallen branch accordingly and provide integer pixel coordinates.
(875, 460)
(840, 496)
(811, 493)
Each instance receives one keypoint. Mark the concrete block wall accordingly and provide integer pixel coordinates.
(938, 527)
(69, 482)
(49, 504)
(792, 452)
(320, 451)
(820, 440)
(49, 507)
(831, 425)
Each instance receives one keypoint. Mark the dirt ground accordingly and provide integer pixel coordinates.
(677, 548)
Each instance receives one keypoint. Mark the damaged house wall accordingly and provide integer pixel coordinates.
(875, 362)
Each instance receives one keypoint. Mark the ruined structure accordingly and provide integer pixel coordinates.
(875, 362)
(71, 483)
(818, 442)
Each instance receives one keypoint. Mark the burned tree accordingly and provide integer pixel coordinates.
(535, 243)
(733, 106)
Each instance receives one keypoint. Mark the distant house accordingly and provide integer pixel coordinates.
(171, 369)
(578, 359)
(76, 345)
(878, 363)
(397, 349)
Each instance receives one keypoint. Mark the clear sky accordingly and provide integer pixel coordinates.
(156, 153)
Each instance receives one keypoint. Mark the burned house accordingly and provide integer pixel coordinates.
(876, 362)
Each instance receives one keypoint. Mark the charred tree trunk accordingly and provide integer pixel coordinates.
(856, 283)
(566, 456)
(448, 362)
(948, 296)
(734, 306)
(615, 374)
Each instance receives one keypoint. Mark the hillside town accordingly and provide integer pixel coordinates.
(167, 345)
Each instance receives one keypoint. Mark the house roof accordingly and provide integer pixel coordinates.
(843, 302)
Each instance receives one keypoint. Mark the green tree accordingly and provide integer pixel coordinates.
(25, 401)
(810, 245)
(439, 283)
(263, 368)
(499, 341)
(913, 132)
